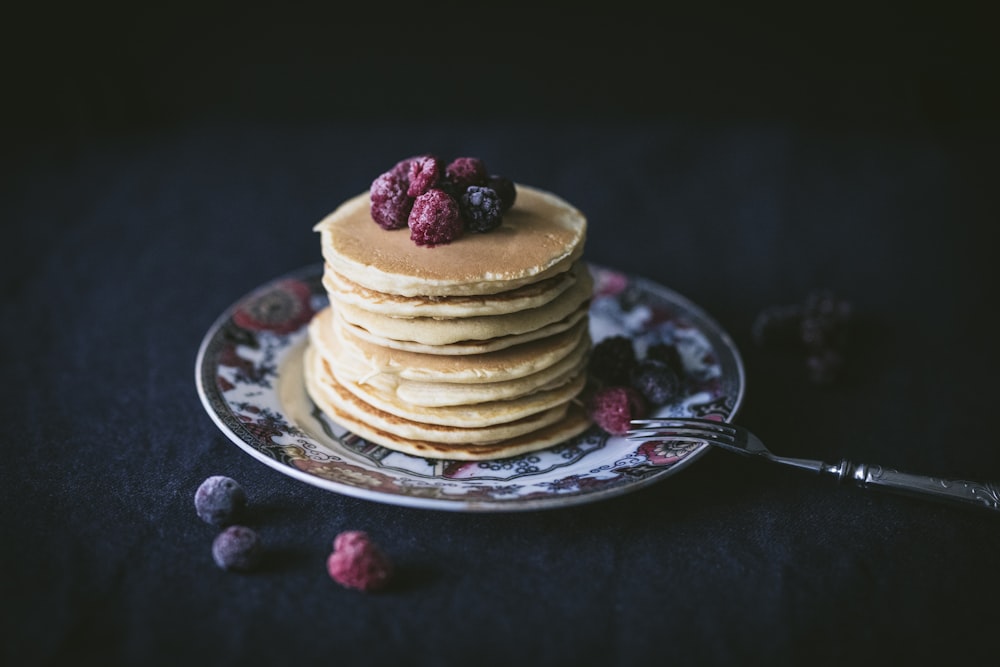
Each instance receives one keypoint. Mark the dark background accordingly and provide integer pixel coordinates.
(160, 162)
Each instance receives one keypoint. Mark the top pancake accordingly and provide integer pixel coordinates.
(541, 236)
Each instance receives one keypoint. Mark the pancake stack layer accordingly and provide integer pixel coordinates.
(476, 349)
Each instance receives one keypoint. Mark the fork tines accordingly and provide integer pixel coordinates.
(682, 428)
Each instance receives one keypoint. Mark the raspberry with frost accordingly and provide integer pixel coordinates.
(435, 219)
(358, 563)
(423, 173)
(466, 171)
(612, 408)
(390, 205)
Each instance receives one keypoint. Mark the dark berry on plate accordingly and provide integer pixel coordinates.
(358, 563)
(612, 408)
(390, 205)
(220, 500)
(668, 354)
(656, 381)
(504, 187)
(481, 208)
(612, 360)
(778, 326)
(435, 219)
(466, 171)
(237, 548)
(424, 173)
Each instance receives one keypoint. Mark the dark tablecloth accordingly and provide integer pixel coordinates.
(136, 214)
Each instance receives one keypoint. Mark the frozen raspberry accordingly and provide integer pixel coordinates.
(435, 219)
(481, 207)
(612, 408)
(466, 171)
(390, 205)
(656, 381)
(357, 562)
(504, 187)
(612, 360)
(220, 500)
(668, 354)
(237, 548)
(424, 173)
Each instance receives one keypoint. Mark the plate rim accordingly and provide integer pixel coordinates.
(459, 504)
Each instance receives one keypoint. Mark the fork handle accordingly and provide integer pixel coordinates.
(963, 492)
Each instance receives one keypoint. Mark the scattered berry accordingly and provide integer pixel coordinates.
(220, 500)
(656, 381)
(435, 219)
(390, 205)
(424, 173)
(612, 360)
(612, 408)
(237, 548)
(481, 208)
(818, 327)
(357, 562)
(466, 171)
(504, 187)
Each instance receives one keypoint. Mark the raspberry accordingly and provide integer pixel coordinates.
(220, 500)
(435, 219)
(504, 187)
(357, 562)
(612, 408)
(390, 205)
(237, 548)
(424, 172)
(656, 381)
(481, 207)
(612, 360)
(466, 171)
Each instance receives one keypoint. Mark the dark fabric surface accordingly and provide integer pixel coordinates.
(159, 172)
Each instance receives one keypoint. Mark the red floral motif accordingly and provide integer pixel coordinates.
(665, 452)
(282, 309)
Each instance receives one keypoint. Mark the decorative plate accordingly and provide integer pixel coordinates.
(249, 377)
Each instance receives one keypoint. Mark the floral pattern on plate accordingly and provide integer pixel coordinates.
(249, 378)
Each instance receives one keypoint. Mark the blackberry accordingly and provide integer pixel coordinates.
(612, 360)
(668, 354)
(423, 173)
(390, 205)
(505, 188)
(357, 562)
(435, 219)
(825, 320)
(220, 500)
(824, 366)
(612, 408)
(656, 381)
(237, 548)
(466, 171)
(481, 207)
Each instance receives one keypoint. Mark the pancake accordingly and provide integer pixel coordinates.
(541, 236)
(533, 295)
(507, 364)
(467, 346)
(441, 331)
(363, 420)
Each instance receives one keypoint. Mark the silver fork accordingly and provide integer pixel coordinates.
(737, 439)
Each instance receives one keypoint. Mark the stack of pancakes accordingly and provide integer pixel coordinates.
(472, 350)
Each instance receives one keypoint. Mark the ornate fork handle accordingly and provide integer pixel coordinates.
(983, 494)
